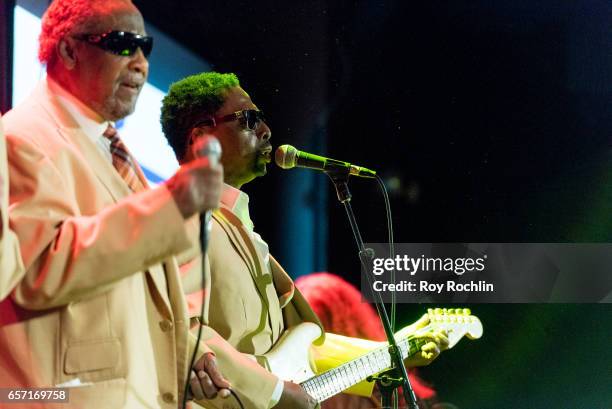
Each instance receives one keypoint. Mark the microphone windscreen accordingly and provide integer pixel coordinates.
(285, 156)
(207, 146)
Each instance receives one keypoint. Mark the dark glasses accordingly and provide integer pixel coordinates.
(121, 43)
(251, 117)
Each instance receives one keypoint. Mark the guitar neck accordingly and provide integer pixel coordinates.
(336, 380)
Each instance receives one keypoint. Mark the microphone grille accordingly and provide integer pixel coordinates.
(285, 156)
(207, 146)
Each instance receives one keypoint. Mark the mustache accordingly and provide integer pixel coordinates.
(133, 80)
(266, 147)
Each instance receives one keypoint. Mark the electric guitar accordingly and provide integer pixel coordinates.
(289, 358)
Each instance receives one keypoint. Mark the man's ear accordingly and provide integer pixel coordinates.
(193, 136)
(67, 53)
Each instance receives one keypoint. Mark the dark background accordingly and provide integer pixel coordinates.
(492, 117)
(490, 121)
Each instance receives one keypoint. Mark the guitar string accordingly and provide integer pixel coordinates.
(328, 387)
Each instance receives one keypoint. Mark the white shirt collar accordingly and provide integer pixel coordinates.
(238, 202)
(92, 124)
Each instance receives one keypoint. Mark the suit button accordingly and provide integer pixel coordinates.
(166, 325)
(168, 397)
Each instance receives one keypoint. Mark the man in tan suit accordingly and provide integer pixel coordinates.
(11, 267)
(251, 301)
(100, 309)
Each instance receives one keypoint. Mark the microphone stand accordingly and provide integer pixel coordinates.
(388, 381)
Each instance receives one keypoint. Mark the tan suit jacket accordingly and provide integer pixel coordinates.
(245, 303)
(251, 306)
(101, 301)
(11, 266)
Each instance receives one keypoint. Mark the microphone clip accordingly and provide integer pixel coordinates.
(339, 177)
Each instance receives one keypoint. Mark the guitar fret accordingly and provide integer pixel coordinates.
(350, 378)
(375, 360)
(364, 368)
(352, 371)
(358, 369)
(371, 364)
(383, 361)
(331, 387)
(343, 377)
(404, 348)
(319, 384)
(327, 388)
(331, 390)
(347, 378)
(340, 375)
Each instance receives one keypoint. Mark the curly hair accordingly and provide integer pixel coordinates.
(65, 17)
(340, 306)
(189, 101)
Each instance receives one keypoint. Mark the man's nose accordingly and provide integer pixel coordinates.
(263, 132)
(139, 63)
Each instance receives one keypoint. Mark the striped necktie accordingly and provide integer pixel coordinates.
(122, 160)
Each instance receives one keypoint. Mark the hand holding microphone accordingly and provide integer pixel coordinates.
(196, 187)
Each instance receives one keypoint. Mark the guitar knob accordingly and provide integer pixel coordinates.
(466, 311)
(438, 311)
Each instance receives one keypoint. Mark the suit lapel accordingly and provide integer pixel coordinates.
(70, 131)
(231, 225)
(284, 285)
(243, 244)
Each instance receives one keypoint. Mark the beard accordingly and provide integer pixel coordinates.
(118, 107)
(260, 165)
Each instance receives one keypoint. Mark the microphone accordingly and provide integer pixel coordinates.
(206, 146)
(288, 157)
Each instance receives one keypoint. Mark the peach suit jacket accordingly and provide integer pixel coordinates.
(101, 304)
(11, 267)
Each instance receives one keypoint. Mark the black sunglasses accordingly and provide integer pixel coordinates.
(251, 117)
(121, 43)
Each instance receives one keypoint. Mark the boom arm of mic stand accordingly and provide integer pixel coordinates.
(340, 181)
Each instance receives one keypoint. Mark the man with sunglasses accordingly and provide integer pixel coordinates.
(250, 300)
(100, 310)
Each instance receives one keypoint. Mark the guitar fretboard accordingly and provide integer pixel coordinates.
(336, 380)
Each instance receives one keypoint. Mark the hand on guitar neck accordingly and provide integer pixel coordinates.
(438, 342)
